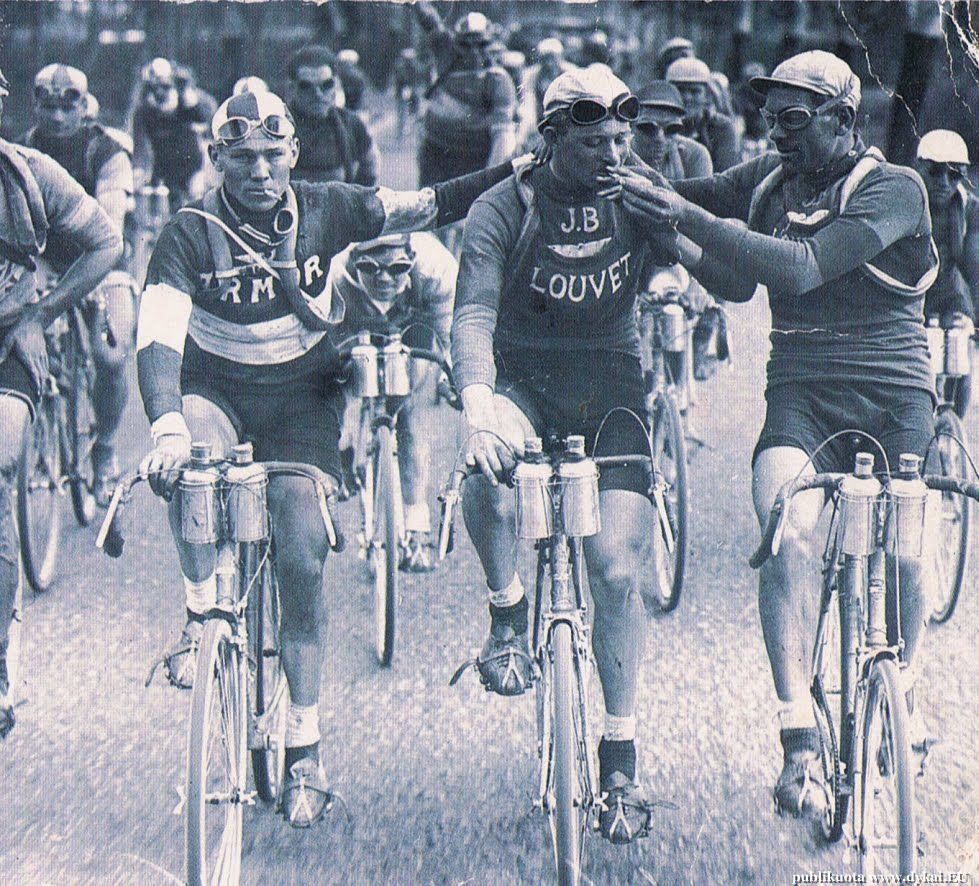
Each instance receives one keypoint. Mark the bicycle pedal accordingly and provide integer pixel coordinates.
(471, 663)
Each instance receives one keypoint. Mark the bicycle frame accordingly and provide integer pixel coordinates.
(663, 373)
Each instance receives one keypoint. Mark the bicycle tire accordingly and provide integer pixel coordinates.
(79, 422)
(670, 453)
(831, 824)
(15, 645)
(568, 810)
(270, 696)
(955, 540)
(385, 548)
(38, 499)
(885, 745)
(217, 723)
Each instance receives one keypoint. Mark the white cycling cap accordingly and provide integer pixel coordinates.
(58, 78)
(816, 71)
(550, 46)
(943, 146)
(250, 84)
(595, 82)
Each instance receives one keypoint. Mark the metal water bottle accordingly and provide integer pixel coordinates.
(397, 380)
(859, 493)
(958, 344)
(578, 475)
(364, 367)
(248, 518)
(532, 479)
(936, 345)
(906, 519)
(200, 505)
(673, 328)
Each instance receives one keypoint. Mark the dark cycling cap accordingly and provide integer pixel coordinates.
(661, 94)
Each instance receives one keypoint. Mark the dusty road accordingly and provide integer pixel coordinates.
(439, 781)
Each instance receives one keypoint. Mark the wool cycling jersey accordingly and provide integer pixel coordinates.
(851, 327)
(561, 274)
(953, 225)
(337, 148)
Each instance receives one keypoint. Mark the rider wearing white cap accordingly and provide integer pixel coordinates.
(703, 123)
(842, 241)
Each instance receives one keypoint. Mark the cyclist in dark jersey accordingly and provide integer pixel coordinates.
(842, 240)
(544, 340)
(943, 163)
(103, 167)
(38, 201)
(233, 344)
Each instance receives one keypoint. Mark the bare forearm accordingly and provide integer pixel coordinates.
(80, 279)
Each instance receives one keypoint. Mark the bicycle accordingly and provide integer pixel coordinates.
(15, 642)
(380, 377)
(665, 334)
(239, 701)
(948, 455)
(557, 506)
(58, 448)
(861, 709)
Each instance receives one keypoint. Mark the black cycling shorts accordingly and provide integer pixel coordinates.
(17, 381)
(803, 415)
(295, 421)
(565, 393)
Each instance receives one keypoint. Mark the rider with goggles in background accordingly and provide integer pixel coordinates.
(103, 167)
(234, 343)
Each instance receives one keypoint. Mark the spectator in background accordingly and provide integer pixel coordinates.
(468, 124)
(747, 106)
(595, 49)
(715, 131)
(352, 79)
(336, 145)
(943, 162)
(551, 63)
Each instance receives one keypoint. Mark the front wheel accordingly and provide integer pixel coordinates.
(80, 420)
(385, 547)
(670, 537)
(567, 795)
(216, 761)
(948, 459)
(886, 834)
(38, 498)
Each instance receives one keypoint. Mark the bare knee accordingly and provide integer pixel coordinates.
(487, 502)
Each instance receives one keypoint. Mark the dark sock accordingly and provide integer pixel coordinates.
(196, 616)
(514, 616)
(799, 740)
(617, 756)
(293, 755)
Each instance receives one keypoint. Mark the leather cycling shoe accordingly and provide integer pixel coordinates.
(504, 664)
(180, 662)
(419, 555)
(800, 789)
(624, 812)
(105, 472)
(306, 796)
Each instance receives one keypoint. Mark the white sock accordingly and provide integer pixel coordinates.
(418, 517)
(512, 593)
(201, 595)
(302, 725)
(796, 714)
(620, 728)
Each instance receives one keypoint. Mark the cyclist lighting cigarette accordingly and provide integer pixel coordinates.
(233, 344)
(842, 240)
(544, 339)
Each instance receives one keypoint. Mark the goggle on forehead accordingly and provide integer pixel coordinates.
(237, 129)
(589, 112)
(66, 99)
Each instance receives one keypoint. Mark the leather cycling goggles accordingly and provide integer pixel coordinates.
(237, 129)
(372, 268)
(797, 117)
(955, 171)
(66, 99)
(589, 112)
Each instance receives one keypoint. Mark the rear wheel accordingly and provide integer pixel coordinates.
(886, 835)
(270, 695)
(670, 537)
(216, 762)
(385, 546)
(80, 421)
(38, 499)
(13, 658)
(948, 459)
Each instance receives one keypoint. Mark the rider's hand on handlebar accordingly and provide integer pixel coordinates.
(160, 466)
(491, 442)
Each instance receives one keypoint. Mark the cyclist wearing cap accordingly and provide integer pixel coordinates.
(544, 340)
(550, 65)
(336, 144)
(943, 163)
(468, 122)
(842, 240)
(405, 284)
(233, 344)
(671, 50)
(170, 118)
(715, 131)
(103, 167)
(39, 202)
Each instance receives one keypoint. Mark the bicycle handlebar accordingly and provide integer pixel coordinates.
(110, 537)
(775, 528)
